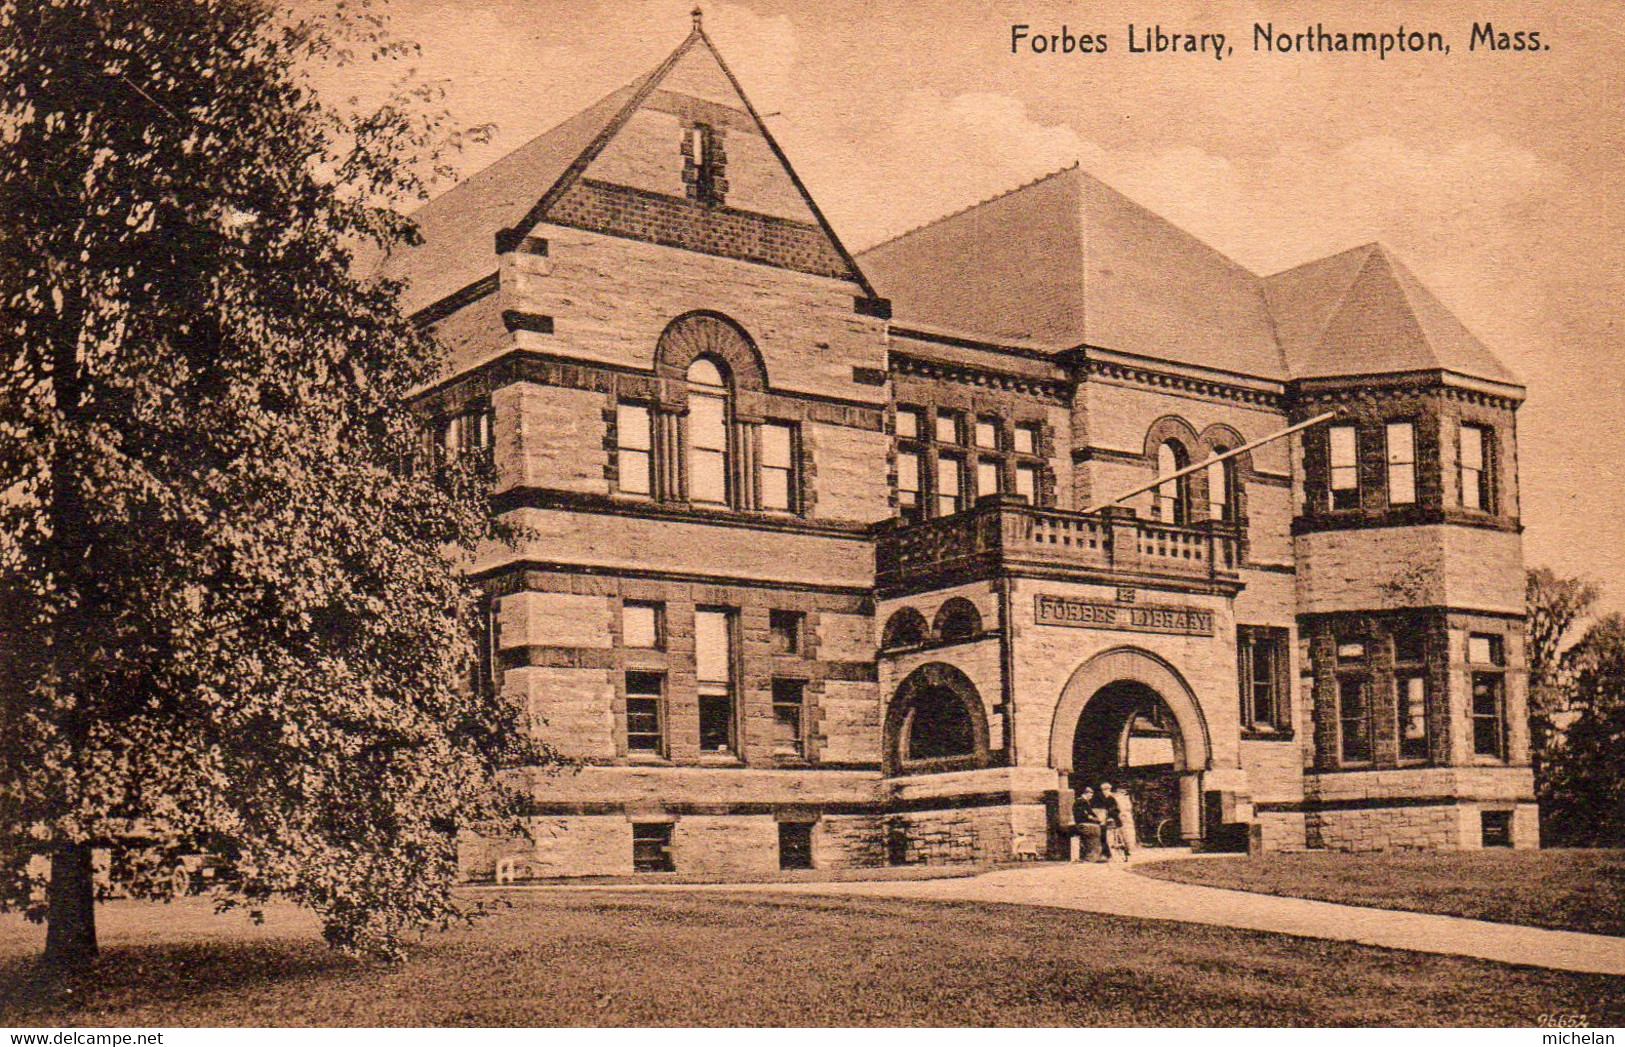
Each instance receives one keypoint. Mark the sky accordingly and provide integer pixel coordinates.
(1496, 176)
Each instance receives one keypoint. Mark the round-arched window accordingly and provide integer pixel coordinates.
(1173, 496)
(906, 628)
(938, 727)
(707, 433)
(958, 620)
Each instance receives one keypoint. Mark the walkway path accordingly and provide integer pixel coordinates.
(1116, 890)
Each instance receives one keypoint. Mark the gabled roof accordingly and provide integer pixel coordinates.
(459, 227)
(1067, 261)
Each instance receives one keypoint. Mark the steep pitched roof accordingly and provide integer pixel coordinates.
(1363, 312)
(1068, 261)
(516, 192)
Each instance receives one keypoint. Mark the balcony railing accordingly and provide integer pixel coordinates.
(1007, 531)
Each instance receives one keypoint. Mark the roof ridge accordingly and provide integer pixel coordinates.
(1370, 248)
(1073, 166)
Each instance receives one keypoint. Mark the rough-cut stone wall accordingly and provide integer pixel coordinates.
(1389, 567)
(725, 845)
(611, 297)
(550, 437)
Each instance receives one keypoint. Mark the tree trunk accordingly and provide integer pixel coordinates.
(70, 936)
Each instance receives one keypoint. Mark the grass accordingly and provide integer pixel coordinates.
(1571, 890)
(632, 959)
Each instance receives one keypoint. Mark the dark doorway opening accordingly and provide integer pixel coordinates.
(1127, 735)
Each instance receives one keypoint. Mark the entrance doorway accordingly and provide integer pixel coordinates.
(1127, 735)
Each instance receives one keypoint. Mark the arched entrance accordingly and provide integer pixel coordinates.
(1127, 716)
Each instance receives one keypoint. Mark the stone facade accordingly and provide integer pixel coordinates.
(801, 579)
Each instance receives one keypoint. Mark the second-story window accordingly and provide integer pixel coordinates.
(1221, 488)
(634, 450)
(1344, 466)
(1261, 655)
(948, 473)
(707, 433)
(1173, 495)
(1401, 459)
(908, 485)
(1476, 486)
(468, 432)
(778, 467)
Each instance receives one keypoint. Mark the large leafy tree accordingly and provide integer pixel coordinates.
(232, 617)
(1556, 605)
(1584, 787)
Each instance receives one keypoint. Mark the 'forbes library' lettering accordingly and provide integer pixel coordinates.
(1087, 614)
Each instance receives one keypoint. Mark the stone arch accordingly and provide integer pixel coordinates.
(1170, 427)
(933, 683)
(907, 627)
(1238, 469)
(710, 334)
(957, 619)
(1193, 750)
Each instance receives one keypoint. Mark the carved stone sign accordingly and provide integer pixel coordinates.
(1133, 618)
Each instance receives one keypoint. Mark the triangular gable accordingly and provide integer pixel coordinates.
(616, 141)
(630, 181)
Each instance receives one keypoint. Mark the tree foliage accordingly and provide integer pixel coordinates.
(233, 619)
(1584, 788)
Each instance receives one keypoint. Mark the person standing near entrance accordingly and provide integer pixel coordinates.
(1089, 818)
(1119, 821)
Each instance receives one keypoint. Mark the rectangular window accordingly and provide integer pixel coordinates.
(788, 700)
(640, 625)
(908, 484)
(1027, 482)
(785, 627)
(948, 471)
(1345, 472)
(1354, 719)
(947, 427)
(778, 467)
(1476, 492)
(1262, 656)
(707, 449)
(795, 845)
(1026, 439)
(713, 672)
(1495, 828)
(651, 847)
(1411, 690)
(987, 477)
(633, 449)
(1401, 437)
(908, 423)
(987, 433)
(643, 692)
(1488, 658)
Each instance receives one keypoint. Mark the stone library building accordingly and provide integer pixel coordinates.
(838, 560)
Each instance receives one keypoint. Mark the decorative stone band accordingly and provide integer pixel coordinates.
(963, 801)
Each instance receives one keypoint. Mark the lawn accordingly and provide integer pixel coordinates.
(1569, 890)
(701, 958)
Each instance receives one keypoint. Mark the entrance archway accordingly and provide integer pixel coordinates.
(1127, 716)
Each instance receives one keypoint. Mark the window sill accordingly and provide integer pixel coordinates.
(720, 760)
(642, 759)
(1283, 735)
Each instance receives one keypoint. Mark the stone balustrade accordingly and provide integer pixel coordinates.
(1002, 531)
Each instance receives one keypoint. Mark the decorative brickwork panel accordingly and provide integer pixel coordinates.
(674, 222)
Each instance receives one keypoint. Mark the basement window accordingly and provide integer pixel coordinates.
(795, 845)
(651, 847)
(1495, 828)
